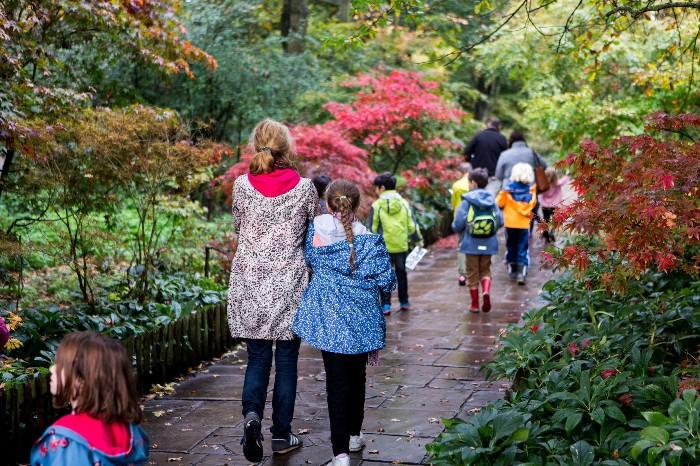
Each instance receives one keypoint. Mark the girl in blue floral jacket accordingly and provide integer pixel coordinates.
(93, 375)
(341, 312)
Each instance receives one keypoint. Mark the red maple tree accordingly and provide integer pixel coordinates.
(397, 117)
(640, 196)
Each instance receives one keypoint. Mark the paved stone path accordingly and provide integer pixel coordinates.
(430, 370)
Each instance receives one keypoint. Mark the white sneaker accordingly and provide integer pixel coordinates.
(357, 442)
(340, 460)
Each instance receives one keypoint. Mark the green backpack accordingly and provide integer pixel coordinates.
(481, 223)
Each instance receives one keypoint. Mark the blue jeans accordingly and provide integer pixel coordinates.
(257, 378)
(516, 246)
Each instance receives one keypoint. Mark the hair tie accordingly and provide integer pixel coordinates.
(265, 148)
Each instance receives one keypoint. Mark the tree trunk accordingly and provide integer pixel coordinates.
(295, 14)
(344, 11)
(9, 154)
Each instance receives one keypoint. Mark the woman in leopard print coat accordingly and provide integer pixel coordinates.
(272, 208)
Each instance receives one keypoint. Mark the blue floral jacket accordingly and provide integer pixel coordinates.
(341, 310)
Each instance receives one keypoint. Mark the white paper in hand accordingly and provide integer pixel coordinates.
(415, 257)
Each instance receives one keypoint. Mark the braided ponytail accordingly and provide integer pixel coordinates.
(343, 197)
(346, 217)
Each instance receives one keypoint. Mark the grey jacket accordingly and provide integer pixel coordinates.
(518, 153)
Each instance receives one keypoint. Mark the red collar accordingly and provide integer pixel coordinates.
(111, 439)
(275, 183)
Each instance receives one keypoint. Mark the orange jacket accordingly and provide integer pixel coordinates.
(517, 214)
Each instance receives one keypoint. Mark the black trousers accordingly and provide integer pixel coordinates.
(398, 261)
(345, 385)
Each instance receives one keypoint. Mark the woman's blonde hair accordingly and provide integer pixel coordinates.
(273, 146)
(522, 173)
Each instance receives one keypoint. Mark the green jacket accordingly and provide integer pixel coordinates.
(392, 217)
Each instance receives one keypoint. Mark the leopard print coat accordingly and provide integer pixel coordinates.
(269, 273)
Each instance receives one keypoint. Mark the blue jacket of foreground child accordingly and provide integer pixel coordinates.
(81, 440)
(341, 310)
(479, 198)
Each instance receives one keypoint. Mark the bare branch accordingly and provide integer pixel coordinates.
(636, 12)
(568, 22)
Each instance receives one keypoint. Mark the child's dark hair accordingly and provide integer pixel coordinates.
(94, 373)
(479, 176)
(386, 180)
(321, 182)
(343, 197)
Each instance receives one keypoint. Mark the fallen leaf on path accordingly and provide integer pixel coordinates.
(434, 420)
(396, 420)
(158, 413)
(373, 452)
(380, 430)
(178, 458)
(302, 431)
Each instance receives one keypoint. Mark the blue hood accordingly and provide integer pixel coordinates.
(520, 192)
(480, 198)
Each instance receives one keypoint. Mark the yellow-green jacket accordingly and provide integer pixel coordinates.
(392, 217)
(461, 186)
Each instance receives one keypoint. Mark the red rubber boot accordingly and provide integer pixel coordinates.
(474, 292)
(486, 289)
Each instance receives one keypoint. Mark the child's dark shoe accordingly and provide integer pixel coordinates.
(462, 280)
(512, 271)
(520, 274)
(405, 307)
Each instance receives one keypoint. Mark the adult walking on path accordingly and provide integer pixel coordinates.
(484, 149)
(519, 152)
(272, 208)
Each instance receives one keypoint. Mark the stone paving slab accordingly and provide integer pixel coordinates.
(430, 370)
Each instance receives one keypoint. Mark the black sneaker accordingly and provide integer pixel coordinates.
(252, 438)
(280, 446)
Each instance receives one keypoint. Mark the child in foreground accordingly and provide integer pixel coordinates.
(341, 312)
(477, 221)
(518, 200)
(93, 375)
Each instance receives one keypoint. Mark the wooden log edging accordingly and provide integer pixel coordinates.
(158, 356)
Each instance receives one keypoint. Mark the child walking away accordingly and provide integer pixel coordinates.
(551, 199)
(459, 188)
(392, 217)
(518, 200)
(477, 220)
(341, 312)
(93, 375)
(321, 183)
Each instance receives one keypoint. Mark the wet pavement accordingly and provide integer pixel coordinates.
(429, 370)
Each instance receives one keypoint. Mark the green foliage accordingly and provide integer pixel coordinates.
(593, 372)
(171, 297)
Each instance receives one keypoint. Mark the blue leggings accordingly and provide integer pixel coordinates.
(516, 246)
